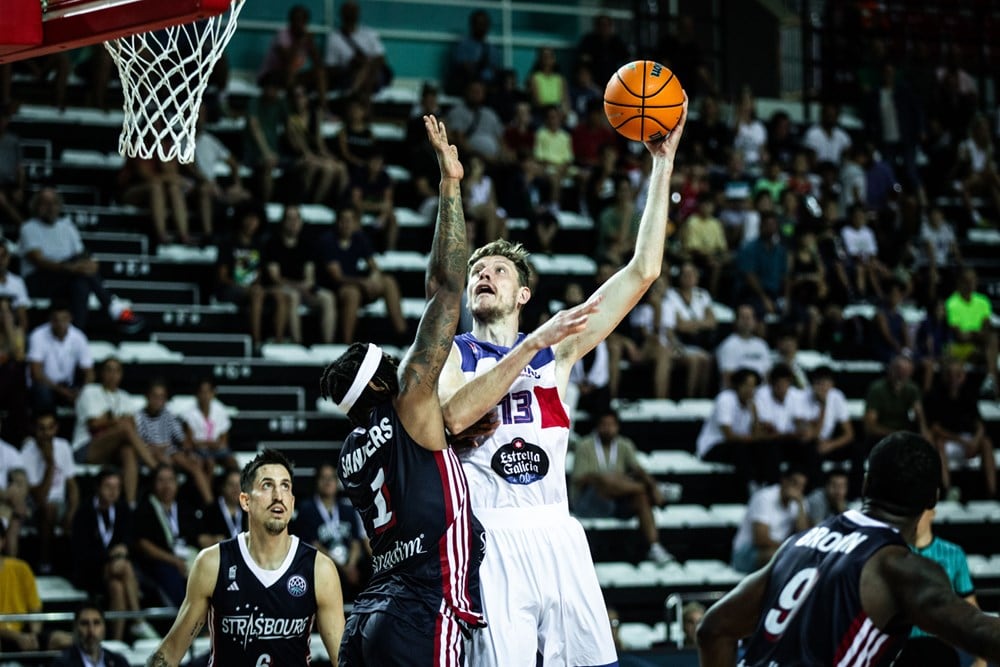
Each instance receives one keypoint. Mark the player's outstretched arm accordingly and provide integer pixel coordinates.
(624, 289)
(329, 605)
(922, 592)
(731, 619)
(464, 403)
(191, 617)
(421, 368)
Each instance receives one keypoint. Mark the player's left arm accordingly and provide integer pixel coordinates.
(731, 619)
(329, 605)
(624, 289)
(419, 407)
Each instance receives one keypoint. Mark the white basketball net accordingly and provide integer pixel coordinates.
(164, 74)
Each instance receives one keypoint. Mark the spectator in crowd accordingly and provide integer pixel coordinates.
(749, 133)
(322, 175)
(826, 139)
(484, 219)
(474, 57)
(165, 435)
(13, 341)
(291, 271)
(862, 251)
(618, 225)
(102, 562)
(801, 180)
(805, 285)
(763, 266)
(893, 404)
(710, 136)
(239, 275)
(602, 49)
(159, 186)
(373, 193)
(55, 264)
(546, 84)
(356, 141)
(58, 357)
(782, 142)
(853, 183)
(105, 429)
(266, 116)
(166, 534)
(224, 519)
(977, 167)
(743, 348)
(830, 499)
(732, 434)
(940, 246)
(584, 93)
(330, 523)
(474, 127)
(210, 154)
(932, 340)
(650, 325)
(824, 409)
(554, 152)
(704, 240)
(293, 48)
(355, 56)
(343, 253)
(594, 380)
(695, 323)
(48, 463)
(591, 134)
(207, 422)
(506, 96)
(779, 409)
(772, 181)
(420, 159)
(12, 177)
(969, 315)
(609, 481)
(691, 614)
(20, 596)
(957, 430)
(893, 335)
(88, 635)
(680, 50)
(15, 509)
(922, 648)
(773, 514)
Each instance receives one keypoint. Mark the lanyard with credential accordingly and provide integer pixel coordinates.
(330, 519)
(612, 458)
(233, 522)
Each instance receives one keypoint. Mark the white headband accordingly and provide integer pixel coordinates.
(365, 373)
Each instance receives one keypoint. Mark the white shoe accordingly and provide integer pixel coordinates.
(659, 555)
(143, 630)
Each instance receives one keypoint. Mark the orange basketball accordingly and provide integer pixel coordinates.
(643, 100)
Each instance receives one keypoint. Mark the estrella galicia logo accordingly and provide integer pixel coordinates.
(520, 462)
(297, 586)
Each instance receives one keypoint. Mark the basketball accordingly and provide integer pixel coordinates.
(643, 100)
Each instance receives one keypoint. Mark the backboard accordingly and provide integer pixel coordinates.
(30, 28)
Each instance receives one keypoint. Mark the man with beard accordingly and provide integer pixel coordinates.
(540, 591)
(87, 650)
(263, 590)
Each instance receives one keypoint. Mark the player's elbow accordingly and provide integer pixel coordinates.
(709, 630)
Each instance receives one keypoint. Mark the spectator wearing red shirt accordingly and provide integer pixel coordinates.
(591, 135)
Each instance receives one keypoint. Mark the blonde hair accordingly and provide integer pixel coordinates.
(515, 252)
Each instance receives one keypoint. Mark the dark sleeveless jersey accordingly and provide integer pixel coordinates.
(262, 617)
(812, 611)
(426, 544)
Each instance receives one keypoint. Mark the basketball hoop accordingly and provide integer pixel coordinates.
(164, 74)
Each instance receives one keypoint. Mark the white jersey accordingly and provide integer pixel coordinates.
(523, 463)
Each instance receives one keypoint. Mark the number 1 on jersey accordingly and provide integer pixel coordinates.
(383, 518)
(791, 596)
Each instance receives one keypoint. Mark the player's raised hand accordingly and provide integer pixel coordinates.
(447, 154)
(667, 147)
(567, 322)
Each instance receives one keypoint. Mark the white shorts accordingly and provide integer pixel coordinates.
(538, 581)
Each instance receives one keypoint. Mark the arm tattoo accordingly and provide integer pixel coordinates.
(157, 660)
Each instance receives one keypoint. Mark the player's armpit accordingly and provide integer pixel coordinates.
(329, 605)
(732, 618)
(191, 616)
(923, 595)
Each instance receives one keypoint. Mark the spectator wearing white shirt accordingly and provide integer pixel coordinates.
(209, 155)
(862, 250)
(743, 348)
(731, 433)
(48, 463)
(825, 410)
(689, 315)
(57, 353)
(780, 408)
(55, 264)
(355, 55)
(105, 431)
(750, 138)
(14, 508)
(650, 330)
(941, 249)
(13, 339)
(208, 423)
(826, 139)
(773, 514)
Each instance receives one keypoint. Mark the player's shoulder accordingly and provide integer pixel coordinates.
(206, 563)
